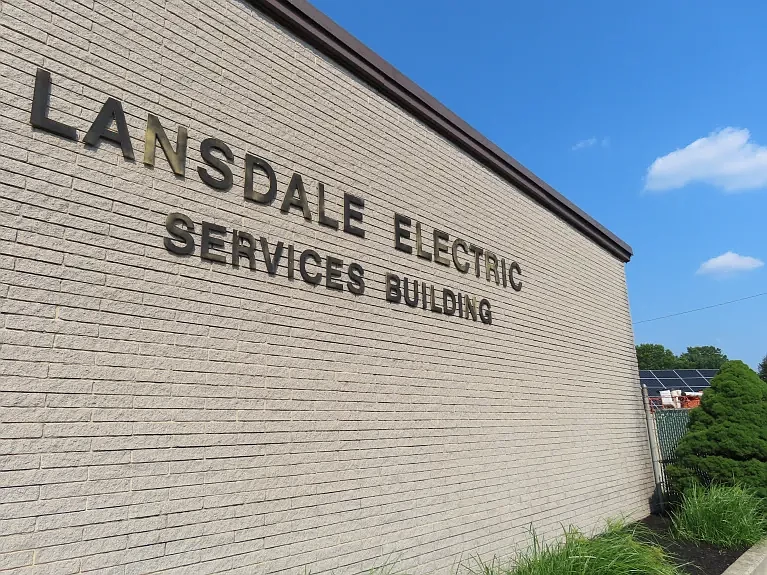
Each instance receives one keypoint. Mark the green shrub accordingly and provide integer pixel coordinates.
(726, 442)
(725, 516)
(620, 550)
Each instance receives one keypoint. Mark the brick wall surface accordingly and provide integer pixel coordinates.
(163, 413)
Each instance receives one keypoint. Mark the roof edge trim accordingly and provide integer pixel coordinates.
(318, 30)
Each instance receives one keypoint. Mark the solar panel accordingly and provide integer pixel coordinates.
(685, 380)
(685, 373)
(675, 383)
(653, 386)
(697, 383)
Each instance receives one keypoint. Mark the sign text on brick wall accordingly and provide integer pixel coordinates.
(218, 156)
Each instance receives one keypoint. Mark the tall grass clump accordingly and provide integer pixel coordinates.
(620, 550)
(723, 515)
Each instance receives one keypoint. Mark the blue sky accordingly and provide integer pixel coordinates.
(596, 97)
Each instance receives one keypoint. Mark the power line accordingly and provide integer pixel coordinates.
(701, 308)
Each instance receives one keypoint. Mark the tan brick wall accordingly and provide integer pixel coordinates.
(162, 413)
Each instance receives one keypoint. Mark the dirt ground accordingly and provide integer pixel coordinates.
(696, 559)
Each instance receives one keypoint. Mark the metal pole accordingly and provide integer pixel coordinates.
(652, 433)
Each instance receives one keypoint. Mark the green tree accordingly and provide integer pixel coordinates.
(703, 357)
(763, 369)
(655, 356)
(726, 442)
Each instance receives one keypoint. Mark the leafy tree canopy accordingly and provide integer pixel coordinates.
(727, 439)
(656, 356)
(763, 369)
(704, 357)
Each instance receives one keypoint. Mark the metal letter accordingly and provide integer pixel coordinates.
(516, 285)
(399, 233)
(296, 183)
(440, 248)
(180, 234)
(206, 151)
(154, 132)
(111, 111)
(419, 244)
(291, 261)
(408, 301)
(484, 312)
(350, 202)
(267, 198)
(393, 292)
(471, 307)
(503, 270)
(434, 306)
(239, 249)
(271, 263)
(208, 241)
(309, 278)
(491, 265)
(39, 116)
(477, 251)
(446, 293)
(356, 283)
(333, 267)
(325, 220)
(461, 267)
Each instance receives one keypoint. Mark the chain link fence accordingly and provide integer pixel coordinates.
(666, 427)
(670, 426)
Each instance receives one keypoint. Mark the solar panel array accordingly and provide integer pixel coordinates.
(685, 380)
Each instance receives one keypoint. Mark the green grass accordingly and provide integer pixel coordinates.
(725, 516)
(620, 550)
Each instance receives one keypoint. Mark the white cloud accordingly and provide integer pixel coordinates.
(591, 142)
(729, 263)
(726, 159)
(585, 144)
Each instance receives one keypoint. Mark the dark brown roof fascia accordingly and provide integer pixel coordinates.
(315, 28)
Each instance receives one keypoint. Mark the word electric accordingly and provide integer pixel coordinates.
(481, 257)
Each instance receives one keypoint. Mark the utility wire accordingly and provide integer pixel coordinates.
(702, 308)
